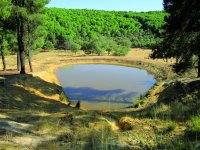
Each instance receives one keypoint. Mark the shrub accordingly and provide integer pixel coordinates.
(171, 126)
(196, 124)
(136, 103)
(128, 123)
(48, 45)
(74, 47)
(121, 51)
(112, 45)
(98, 45)
(70, 45)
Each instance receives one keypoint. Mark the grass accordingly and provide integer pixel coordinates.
(196, 124)
(165, 118)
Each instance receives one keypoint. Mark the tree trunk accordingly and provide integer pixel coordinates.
(29, 53)
(20, 39)
(18, 62)
(3, 60)
(198, 66)
(2, 54)
(29, 60)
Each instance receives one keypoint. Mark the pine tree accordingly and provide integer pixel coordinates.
(4, 15)
(22, 10)
(182, 36)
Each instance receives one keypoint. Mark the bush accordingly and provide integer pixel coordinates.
(136, 103)
(112, 45)
(74, 47)
(70, 45)
(98, 45)
(121, 51)
(172, 126)
(48, 45)
(196, 124)
(125, 123)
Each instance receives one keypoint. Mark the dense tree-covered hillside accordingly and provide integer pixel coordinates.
(95, 31)
(68, 28)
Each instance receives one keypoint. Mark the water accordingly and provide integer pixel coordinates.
(100, 86)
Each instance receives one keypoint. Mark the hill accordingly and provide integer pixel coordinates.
(67, 26)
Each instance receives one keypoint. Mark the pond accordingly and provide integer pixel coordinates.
(104, 87)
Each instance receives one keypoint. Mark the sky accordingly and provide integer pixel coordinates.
(118, 5)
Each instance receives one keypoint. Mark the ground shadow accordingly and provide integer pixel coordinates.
(23, 92)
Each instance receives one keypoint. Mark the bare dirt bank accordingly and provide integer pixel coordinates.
(45, 64)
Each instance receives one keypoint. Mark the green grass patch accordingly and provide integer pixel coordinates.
(196, 124)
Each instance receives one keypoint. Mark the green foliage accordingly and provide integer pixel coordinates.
(136, 102)
(196, 124)
(48, 45)
(182, 36)
(121, 51)
(5, 48)
(75, 47)
(123, 41)
(5, 9)
(98, 45)
(94, 30)
(95, 23)
(112, 45)
(70, 45)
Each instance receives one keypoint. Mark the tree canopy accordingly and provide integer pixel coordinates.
(20, 15)
(182, 34)
(30, 27)
(81, 26)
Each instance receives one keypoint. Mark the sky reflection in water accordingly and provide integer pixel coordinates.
(104, 83)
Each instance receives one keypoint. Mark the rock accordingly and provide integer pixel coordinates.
(127, 123)
(78, 105)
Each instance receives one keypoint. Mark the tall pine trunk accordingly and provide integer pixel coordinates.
(18, 62)
(29, 53)
(2, 53)
(20, 38)
(198, 66)
(29, 60)
(3, 60)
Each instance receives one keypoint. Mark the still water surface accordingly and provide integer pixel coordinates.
(100, 86)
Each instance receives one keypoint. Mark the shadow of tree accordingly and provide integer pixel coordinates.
(24, 92)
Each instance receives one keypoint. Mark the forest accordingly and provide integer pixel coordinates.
(28, 27)
(79, 29)
(94, 31)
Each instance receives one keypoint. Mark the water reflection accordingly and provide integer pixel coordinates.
(104, 83)
(90, 94)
